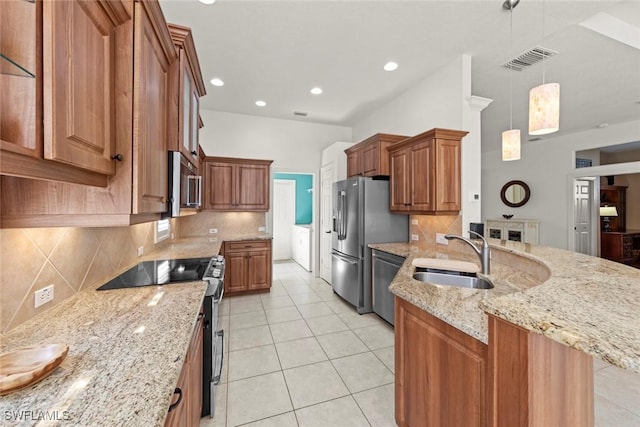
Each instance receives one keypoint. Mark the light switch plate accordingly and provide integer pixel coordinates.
(414, 222)
(213, 239)
(415, 237)
(140, 250)
(213, 231)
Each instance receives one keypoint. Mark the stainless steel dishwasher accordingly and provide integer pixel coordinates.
(384, 268)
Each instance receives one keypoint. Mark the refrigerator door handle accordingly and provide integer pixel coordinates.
(345, 259)
(343, 214)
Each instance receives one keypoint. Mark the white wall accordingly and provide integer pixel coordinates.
(293, 146)
(440, 100)
(546, 166)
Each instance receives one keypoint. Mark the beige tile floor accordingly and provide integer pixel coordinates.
(300, 356)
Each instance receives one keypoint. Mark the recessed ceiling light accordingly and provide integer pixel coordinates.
(260, 103)
(217, 82)
(602, 125)
(390, 66)
(316, 91)
(207, 1)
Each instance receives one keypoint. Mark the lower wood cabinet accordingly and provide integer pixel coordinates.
(441, 372)
(247, 266)
(186, 407)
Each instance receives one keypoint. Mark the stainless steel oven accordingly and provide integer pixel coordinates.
(213, 345)
(185, 186)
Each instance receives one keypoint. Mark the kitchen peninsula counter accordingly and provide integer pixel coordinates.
(587, 303)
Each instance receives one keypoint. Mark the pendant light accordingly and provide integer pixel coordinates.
(544, 102)
(511, 137)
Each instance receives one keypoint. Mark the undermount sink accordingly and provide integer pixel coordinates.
(451, 278)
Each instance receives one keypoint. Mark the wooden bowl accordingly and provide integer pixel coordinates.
(28, 365)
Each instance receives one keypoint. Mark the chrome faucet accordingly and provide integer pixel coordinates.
(484, 253)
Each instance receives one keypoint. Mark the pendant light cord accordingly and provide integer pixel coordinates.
(511, 72)
(544, 50)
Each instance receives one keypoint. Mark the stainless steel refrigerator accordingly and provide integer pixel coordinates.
(361, 216)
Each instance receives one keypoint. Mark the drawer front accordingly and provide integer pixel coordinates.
(246, 245)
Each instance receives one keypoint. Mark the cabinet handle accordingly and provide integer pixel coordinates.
(174, 405)
(194, 152)
(119, 157)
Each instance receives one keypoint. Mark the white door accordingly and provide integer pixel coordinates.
(284, 217)
(327, 178)
(583, 217)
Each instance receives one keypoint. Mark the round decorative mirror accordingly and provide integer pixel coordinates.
(515, 194)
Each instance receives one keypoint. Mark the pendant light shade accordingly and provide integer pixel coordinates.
(511, 145)
(544, 109)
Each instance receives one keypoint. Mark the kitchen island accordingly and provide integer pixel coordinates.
(559, 308)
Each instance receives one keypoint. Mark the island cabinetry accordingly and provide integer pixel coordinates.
(187, 87)
(186, 405)
(440, 372)
(370, 157)
(535, 381)
(425, 173)
(133, 60)
(247, 266)
(236, 184)
(58, 79)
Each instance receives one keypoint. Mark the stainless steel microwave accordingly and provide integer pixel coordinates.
(185, 186)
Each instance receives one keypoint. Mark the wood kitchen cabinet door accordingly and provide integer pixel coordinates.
(441, 373)
(400, 186)
(235, 279)
(370, 157)
(421, 177)
(259, 268)
(187, 87)
(219, 186)
(353, 163)
(448, 175)
(79, 56)
(152, 59)
(252, 187)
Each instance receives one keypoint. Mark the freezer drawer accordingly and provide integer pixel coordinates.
(346, 277)
(385, 266)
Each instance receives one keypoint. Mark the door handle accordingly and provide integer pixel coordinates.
(328, 232)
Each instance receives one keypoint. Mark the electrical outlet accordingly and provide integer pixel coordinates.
(140, 250)
(415, 237)
(414, 222)
(213, 231)
(262, 228)
(440, 239)
(213, 239)
(43, 296)
(474, 197)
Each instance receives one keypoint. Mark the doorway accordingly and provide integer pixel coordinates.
(293, 207)
(284, 216)
(585, 226)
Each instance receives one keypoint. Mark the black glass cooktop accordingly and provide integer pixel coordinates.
(159, 272)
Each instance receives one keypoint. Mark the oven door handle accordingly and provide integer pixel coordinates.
(218, 375)
(219, 300)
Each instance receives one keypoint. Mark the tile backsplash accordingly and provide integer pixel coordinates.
(228, 224)
(79, 258)
(69, 258)
(429, 225)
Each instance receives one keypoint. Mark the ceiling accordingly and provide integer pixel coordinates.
(277, 51)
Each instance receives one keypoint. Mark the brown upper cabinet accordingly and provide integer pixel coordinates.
(233, 184)
(98, 51)
(58, 108)
(425, 173)
(186, 89)
(370, 157)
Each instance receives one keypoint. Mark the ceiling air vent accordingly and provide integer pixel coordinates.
(528, 58)
(300, 113)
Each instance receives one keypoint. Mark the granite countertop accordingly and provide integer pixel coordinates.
(126, 348)
(587, 303)
(125, 356)
(456, 306)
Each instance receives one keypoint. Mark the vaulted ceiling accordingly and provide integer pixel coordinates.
(278, 50)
